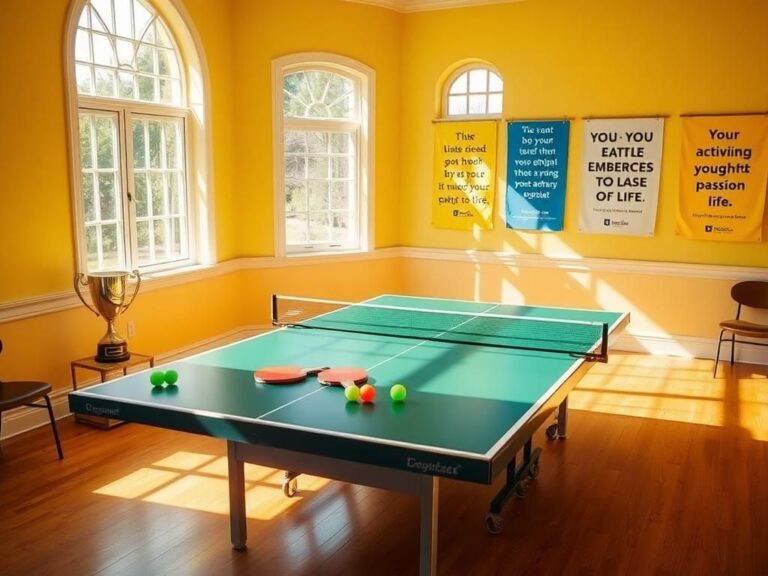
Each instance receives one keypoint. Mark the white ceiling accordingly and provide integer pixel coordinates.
(423, 5)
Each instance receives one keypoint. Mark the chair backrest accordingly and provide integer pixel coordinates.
(753, 293)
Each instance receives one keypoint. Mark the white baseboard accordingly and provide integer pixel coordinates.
(24, 419)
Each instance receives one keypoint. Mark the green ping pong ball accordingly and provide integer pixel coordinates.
(157, 378)
(352, 393)
(171, 377)
(398, 392)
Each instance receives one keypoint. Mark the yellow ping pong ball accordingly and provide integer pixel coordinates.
(352, 393)
(398, 392)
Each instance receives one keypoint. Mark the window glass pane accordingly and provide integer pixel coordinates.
(125, 52)
(123, 22)
(459, 85)
(82, 46)
(105, 82)
(84, 79)
(139, 150)
(172, 156)
(295, 197)
(295, 141)
(140, 195)
(103, 52)
(457, 105)
(165, 62)
(340, 195)
(158, 194)
(340, 167)
(143, 241)
(296, 228)
(125, 85)
(165, 86)
(295, 167)
(85, 18)
(155, 144)
(86, 151)
(477, 104)
(146, 88)
(319, 227)
(340, 229)
(317, 142)
(107, 201)
(158, 231)
(103, 13)
(163, 38)
(478, 80)
(318, 196)
(174, 193)
(92, 247)
(176, 237)
(145, 59)
(110, 246)
(105, 142)
(494, 83)
(142, 17)
(340, 142)
(494, 103)
(318, 167)
(86, 183)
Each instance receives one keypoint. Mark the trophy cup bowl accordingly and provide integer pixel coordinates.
(108, 294)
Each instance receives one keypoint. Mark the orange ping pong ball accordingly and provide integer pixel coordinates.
(367, 393)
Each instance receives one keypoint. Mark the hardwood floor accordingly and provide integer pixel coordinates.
(665, 471)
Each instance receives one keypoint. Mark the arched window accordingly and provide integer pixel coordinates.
(134, 205)
(473, 91)
(323, 161)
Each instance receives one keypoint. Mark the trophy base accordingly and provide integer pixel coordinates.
(112, 352)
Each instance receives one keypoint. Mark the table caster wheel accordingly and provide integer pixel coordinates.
(551, 431)
(494, 523)
(290, 487)
(521, 489)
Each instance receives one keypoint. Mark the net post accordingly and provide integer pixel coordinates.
(274, 309)
(604, 344)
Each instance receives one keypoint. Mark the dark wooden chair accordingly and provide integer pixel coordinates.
(750, 294)
(24, 393)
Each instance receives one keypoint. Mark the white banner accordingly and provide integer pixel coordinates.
(620, 176)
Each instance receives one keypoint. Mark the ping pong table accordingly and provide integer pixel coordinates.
(477, 392)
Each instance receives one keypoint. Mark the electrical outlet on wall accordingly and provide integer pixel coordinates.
(131, 328)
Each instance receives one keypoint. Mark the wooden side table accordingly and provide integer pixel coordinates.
(105, 369)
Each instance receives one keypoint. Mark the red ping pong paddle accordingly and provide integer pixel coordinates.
(342, 376)
(284, 374)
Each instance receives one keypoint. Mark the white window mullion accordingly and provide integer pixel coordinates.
(129, 194)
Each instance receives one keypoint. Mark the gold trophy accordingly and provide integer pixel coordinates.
(109, 298)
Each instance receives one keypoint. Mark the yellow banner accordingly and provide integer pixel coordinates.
(723, 176)
(464, 175)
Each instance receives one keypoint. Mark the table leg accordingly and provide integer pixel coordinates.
(237, 524)
(562, 418)
(428, 497)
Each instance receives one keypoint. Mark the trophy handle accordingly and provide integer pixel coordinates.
(135, 290)
(79, 281)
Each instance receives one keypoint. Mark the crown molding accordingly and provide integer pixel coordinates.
(425, 5)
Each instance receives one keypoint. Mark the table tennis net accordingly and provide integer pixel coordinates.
(587, 339)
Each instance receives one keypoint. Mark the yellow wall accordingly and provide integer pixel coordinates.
(561, 58)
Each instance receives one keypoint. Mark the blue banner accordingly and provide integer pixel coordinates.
(537, 166)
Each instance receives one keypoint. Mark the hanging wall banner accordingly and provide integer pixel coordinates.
(464, 175)
(620, 177)
(537, 165)
(723, 174)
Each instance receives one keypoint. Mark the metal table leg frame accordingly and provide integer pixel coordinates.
(517, 484)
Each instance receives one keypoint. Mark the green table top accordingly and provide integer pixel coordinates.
(465, 402)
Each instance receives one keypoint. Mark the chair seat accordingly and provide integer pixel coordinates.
(19, 392)
(744, 328)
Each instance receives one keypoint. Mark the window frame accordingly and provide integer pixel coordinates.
(364, 78)
(466, 69)
(196, 149)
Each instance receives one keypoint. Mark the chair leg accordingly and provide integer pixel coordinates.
(733, 346)
(717, 357)
(53, 426)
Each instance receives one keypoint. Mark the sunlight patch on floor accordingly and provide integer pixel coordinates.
(199, 482)
(679, 390)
